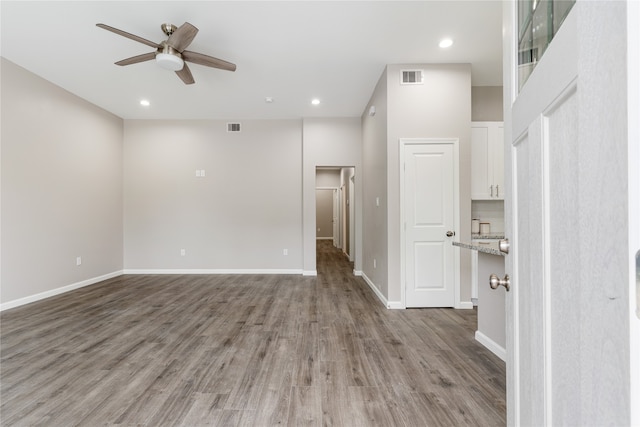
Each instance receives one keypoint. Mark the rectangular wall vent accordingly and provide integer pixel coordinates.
(411, 77)
(233, 127)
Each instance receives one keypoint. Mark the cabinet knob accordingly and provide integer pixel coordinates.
(495, 281)
(451, 233)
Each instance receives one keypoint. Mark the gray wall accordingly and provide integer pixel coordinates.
(441, 107)
(61, 188)
(374, 157)
(328, 178)
(325, 179)
(486, 104)
(240, 216)
(324, 214)
(329, 142)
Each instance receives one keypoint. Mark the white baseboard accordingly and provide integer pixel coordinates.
(324, 238)
(309, 272)
(388, 304)
(357, 272)
(395, 305)
(465, 305)
(58, 291)
(491, 345)
(210, 271)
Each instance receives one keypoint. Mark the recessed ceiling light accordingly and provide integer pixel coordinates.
(145, 103)
(445, 43)
(315, 101)
(268, 100)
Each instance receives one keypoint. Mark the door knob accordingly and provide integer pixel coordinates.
(451, 233)
(495, 281)
(503, 245)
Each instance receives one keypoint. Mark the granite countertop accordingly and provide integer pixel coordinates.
(487, 236)
(478, 248)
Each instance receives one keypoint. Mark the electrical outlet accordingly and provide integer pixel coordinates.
(78, 260)
(285, 252)
(183, 252)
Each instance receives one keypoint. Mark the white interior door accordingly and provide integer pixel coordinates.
(543, 131)
(429, 210)
(565, 340)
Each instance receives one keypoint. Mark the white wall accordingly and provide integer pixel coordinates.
(329, 142)
(239, 217)
(61, 189)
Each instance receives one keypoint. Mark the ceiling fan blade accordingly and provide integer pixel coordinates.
(139, 58)
(209, 61)
(185, 75)
(182, 37)
(129, 35)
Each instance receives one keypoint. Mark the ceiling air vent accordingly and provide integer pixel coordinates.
(411, 77)
(233, 127)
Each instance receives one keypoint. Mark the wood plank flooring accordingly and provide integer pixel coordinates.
(250, 350)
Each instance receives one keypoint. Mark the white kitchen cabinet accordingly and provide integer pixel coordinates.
(487, 161)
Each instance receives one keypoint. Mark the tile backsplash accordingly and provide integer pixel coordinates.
(491, 211)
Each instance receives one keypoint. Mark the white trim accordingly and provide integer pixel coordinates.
(465, 305)
(375, 289)
(491, 345)
(357, 272)
(211, 271)
(513, 404)
(395, 305)
(633, 109)
(387, 304)
(545, 235)
(58, 291)
(546, 269)
(309, 272)
(455, 142)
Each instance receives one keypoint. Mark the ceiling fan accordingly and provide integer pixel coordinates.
(171, 53)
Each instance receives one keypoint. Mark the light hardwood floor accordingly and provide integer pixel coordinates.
(251, 350)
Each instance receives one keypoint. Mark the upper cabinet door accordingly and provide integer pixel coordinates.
(487, 161)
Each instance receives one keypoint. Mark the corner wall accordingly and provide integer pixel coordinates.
(61, 189)
(439, 108)
(374, 158)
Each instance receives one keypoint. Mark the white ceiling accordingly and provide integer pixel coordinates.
(291, 51)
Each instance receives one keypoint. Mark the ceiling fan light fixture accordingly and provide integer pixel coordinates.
(169, 61)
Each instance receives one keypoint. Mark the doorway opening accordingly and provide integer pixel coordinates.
(335, 207)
